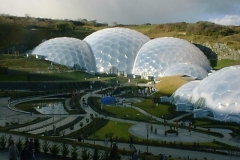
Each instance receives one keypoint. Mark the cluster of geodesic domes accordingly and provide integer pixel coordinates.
(128, 51)
(217, 95)
(131, 52)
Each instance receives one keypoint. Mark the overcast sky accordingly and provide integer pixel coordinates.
(226, 12)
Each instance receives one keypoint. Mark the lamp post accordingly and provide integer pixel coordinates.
(147, 127)
(53, 121)
(94, 136)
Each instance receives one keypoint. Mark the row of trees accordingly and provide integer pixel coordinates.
(62, 150)
(48, 23)
(200, 28)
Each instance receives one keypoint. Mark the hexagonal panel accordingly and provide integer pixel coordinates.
(122, 43)
(67, 51)
(169, 51)
(222, 94)
(194, 71)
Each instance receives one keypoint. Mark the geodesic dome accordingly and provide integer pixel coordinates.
(115, 47)
(184, 93)
(191, 70)
(158, 54)
(220, 94)
(68, 52)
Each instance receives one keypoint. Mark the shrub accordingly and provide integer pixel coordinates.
(37, 145)
(26, 140)
(87, 119)
(91, 115)
(64, 150)
(7, 124)
(3, 141)
(74, 152)
(54, 149)
(105, 155)
(45, 146)
(85, 154)
(19, 144)
(81, 124)
(96, 155)
(10, 140)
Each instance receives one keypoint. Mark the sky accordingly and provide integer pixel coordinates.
(224, 12)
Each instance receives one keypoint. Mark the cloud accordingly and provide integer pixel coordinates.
(124, 11)
(229, 20)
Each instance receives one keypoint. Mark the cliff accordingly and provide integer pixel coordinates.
(219, 51)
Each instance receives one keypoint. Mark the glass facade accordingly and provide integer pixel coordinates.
(157, 55)
(68, 52)
(191, 70)
(116, 47)
(220, 92)
(183, 94)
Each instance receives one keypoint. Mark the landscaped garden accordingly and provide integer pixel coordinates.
(96, 128)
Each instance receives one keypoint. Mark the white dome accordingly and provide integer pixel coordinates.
(158, 54)
(220, 93)
(115, 47)
(67, 51)
(191, 70)
(184, 93)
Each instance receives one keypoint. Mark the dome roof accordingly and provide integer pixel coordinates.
(220, 93)
(158, 54)
(191, 70)
(68, 52)
(115, 47)
(183, 94)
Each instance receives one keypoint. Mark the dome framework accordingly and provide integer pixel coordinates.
(157, 55)
(220, 94)
(68, 52)
(116, 47)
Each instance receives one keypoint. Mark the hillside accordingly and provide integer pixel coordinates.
(20, 34)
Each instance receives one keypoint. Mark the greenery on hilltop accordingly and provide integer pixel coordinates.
(20, 34)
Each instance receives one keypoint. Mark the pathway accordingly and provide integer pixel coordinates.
(137, 129)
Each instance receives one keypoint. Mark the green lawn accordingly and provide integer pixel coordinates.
(113, 128)
(199, 123)
(126, 113)
(225, 63)
(148, 106)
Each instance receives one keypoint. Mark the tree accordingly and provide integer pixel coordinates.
(54, 149)
(85, 154)
(3, 141)
(63, 26)
(19, 144)
(36, 145)
(27, 15)
(45, 146)
(114, 23)
(74, 152)
(64, 150)
(96, 155)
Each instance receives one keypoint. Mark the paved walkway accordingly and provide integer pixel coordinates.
(137, 129)
(142, 148)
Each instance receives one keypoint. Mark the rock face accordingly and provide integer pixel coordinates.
(218, 51)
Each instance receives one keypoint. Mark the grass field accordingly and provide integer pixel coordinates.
(114, 129)
(148, 106)
(225, 63)
(168, 85)
(126, 113)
